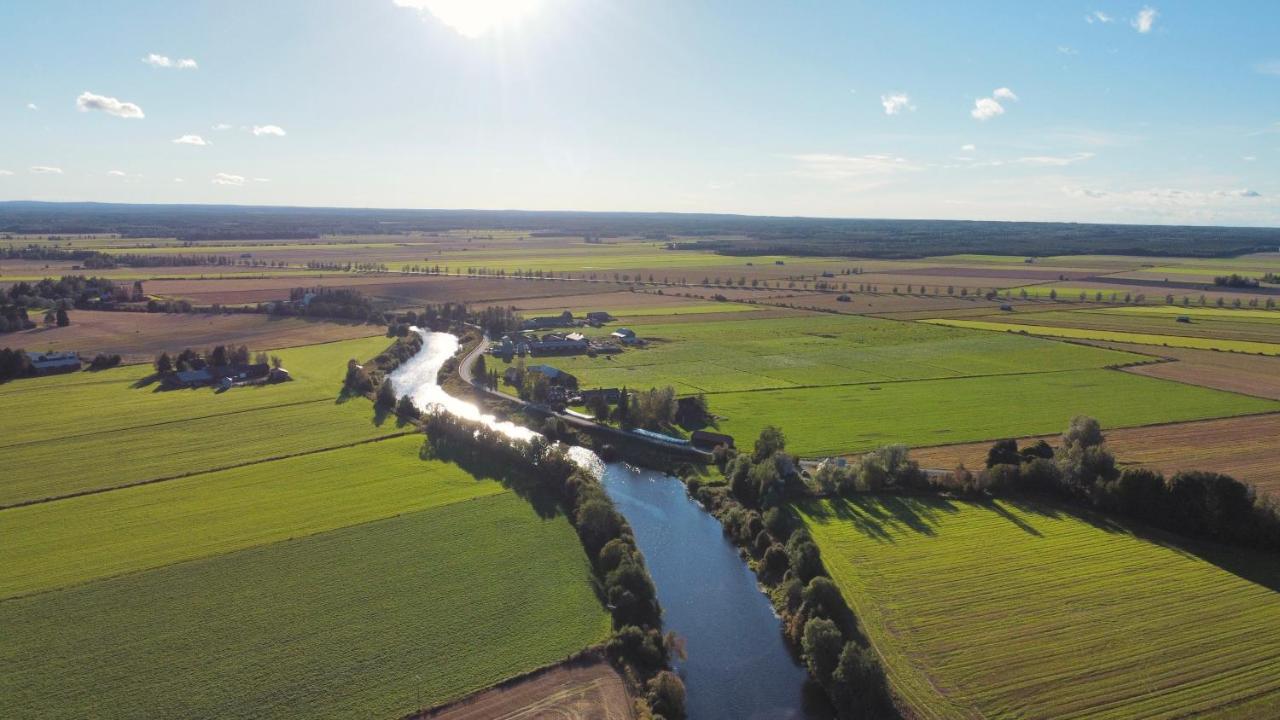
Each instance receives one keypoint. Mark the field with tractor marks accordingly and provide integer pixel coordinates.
(1004, 610)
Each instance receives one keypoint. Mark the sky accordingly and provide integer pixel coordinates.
(1167, 112)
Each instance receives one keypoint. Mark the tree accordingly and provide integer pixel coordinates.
(276, 362)
(406, 408)
(164, 365)
(858, 684)
(480, 369)
(218, 357)
(598, 406)
(822, 644)
(803, 555)
(386, 398)
(666, 695)
(771, 441)
(1084, 431)
(1004, 452)
(62, 318)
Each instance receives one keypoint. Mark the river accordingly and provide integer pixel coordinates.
(738, 665)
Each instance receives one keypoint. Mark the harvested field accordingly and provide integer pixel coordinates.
(1257, 375)
(1243, 447)
(1053, 331)
(589, 689)
(408, 289)
(139, 337)
(1031, 610)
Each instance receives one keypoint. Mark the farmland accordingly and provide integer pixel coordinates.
(834, 420)
(1109, 624)
(139, 337)
(1202, 343)
(1240, 447)
(353, 622)
(1248, 374)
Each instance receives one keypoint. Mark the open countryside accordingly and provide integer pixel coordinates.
(415, 360)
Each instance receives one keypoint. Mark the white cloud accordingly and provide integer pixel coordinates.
(1097, 16)
(109, 105)
(45, 170)
(1268, 67)
(276, 130)
(262, 180)
(1145, 19)
(896, 103)
(222, 126)
(5, 172)
(1167, 196)
(986, 108)
(32, 106)
(179, 180)
(968, 147)
(831, 166)
(192, 140)
(1248, 158)
(1055, 160)
(228, 179)
(116, 173)
(473, 18)
(1067, 50)
(163, 61)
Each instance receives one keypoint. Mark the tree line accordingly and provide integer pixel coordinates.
(216, 356)
(1082, 469)
(553, 483)
(752, 507)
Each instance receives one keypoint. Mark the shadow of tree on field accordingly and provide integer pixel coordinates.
(545, 502)
(880, 516)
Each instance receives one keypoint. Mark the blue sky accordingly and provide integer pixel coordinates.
(1167, 112)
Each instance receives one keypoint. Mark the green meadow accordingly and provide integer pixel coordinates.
(356, 622)
(855, 418)
(85, 538)
(1139, 338)
(1008, 610)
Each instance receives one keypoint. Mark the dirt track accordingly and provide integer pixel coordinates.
(586, 690)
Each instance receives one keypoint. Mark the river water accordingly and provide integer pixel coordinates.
(738, 666)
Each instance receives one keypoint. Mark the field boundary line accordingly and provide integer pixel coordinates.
(233, 551)
(167, 422)
(195, 473)
(908, 380)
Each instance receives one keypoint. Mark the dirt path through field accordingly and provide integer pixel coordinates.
(581, 690)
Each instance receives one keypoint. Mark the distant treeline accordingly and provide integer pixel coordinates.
(95, 260)
(729, 234)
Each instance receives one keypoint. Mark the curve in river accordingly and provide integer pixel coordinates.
(738, 664)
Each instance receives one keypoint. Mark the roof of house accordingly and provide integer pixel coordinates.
(624, 332)
(191, 376)
(546, 370)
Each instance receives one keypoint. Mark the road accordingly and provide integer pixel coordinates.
(466, 372)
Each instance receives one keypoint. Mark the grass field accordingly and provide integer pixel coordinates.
(734, 355)
(86, 538)
(1002, 610)
(833, 420)
(349, 623)
(1203, 343)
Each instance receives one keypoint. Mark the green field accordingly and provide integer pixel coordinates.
(1140, 338)
(71, 434)
(1004, 610)
(349, 623)
(85, 538)
(833, 420)
(737, 355)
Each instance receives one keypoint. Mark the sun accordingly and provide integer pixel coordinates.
(475, 18)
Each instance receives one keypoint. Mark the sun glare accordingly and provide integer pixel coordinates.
(475, 18)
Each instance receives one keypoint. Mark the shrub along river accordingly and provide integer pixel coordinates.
(738, 664)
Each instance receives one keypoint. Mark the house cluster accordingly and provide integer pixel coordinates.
(48, 363)
(226, 376)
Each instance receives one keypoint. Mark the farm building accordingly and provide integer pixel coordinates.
(226, 375)
(624, 334)
(610, 395)
(557, 344)
(564, 319)
(704, 439)
(668, 439)
(555, 376)
(48, 363)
